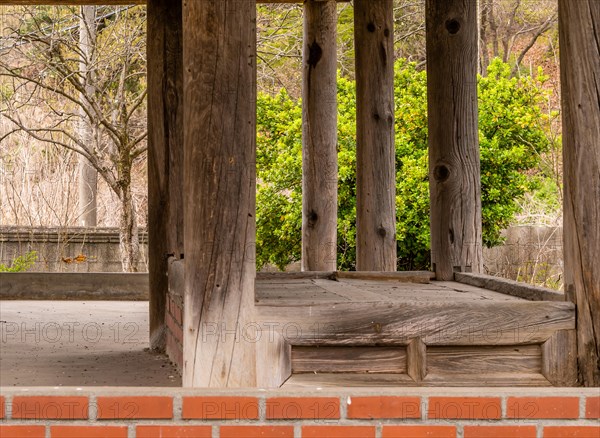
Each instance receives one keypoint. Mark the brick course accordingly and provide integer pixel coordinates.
(365, 412)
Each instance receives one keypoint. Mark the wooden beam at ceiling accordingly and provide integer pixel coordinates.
(118, 2)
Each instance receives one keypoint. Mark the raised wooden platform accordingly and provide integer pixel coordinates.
(371, 329)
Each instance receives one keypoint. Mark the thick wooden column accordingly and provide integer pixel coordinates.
(219, 45)
(579, 27)
(454, 174)
(375, 153)
(319, 137)
(165, 153)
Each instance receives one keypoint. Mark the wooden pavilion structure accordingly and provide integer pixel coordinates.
(400, 328)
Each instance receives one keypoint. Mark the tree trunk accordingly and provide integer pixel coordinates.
(319, 137)
(375, 152)
(129, 238)
(88, 176)
(579, 27)
(219, 59)
(454, 174)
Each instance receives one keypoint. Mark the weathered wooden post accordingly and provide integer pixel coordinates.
(219, 60)
(579, 27)
(454, 174)
(165, 153)
(375, 153)
(319, 137)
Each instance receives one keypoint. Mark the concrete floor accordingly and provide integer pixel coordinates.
(77, 343)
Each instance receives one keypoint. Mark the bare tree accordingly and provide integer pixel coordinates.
(509, 29)
(40, 66)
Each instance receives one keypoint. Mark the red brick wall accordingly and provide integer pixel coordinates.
(368, 412)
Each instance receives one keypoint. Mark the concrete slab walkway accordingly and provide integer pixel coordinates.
(79, 343)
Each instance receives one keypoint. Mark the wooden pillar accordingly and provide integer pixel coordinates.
(165, 153)
(375, 153)
(579, 27)
(219, 58)
(454, 174)
(319, 137)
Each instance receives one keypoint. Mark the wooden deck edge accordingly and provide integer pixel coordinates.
(509, 287)
(404, 276)
(300, 275)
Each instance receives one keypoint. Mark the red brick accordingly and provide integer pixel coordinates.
(173, 431)
(50, 407)
(303, 407)
(149, 407)
(500, 431)
(542, 407)
(338, 431)
(257, 431)
(88, 431)
(592, 407)
(571, 432)
(17, 431)
(418, 431)
(464, 407)
(1, 407)
(220, 408)
(384, 407)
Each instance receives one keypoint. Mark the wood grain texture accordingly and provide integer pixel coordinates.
(509, 287)
(373, 360)
(219, 40)
(579, 28)
(559, 358)
(454, 175)
(405, 276)
(436, 323)
(417, 359)
(165, 154)
(486, 360)
(274, 364)
(375, 153)
(352, 380)
(319, 136)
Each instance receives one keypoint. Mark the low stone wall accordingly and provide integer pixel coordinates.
(58, 248)
(361, 412)
(118, 286)
(530, 254)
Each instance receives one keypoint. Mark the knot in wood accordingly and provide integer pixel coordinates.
(381, 231)
(452, 26)
(315, 53)
(313, 217)
(441, 173)
(371, 27)
(377, 327)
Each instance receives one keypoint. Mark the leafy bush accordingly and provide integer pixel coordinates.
(511, 136)
(21, 263)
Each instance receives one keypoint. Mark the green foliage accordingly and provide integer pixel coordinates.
(512, 137)
(21, 263)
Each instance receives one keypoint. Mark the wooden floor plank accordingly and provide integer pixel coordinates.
(437, 323)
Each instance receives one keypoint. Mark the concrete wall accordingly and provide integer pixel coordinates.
(58, 248)
(359, 412)
(530, 254)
